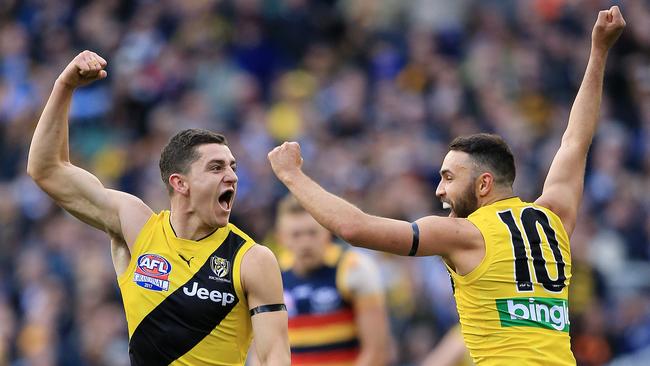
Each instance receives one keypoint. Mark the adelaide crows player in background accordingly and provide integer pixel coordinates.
(195, 287)
(510, 260)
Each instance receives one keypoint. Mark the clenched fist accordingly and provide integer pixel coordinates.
(608, 28)
(285, 160)
(85, 68)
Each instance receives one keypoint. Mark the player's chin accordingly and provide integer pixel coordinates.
(221, 218)
(310, 261)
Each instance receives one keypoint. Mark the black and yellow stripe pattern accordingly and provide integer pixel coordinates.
(202, 317)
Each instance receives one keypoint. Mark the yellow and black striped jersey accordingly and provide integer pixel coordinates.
(184, 300)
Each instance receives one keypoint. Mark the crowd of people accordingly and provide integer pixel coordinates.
(373, 90)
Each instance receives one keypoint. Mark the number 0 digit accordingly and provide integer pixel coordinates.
(530, 217)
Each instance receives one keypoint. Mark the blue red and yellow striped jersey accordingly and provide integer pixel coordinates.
(322, 328)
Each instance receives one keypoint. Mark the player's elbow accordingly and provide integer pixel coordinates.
(376, 354)
(360, 230)
(381, 356)
(351, 231)
(41, 172)
(280, 356)
(576, 142)
(35, 171)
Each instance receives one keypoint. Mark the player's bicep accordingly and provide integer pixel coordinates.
(261, 277)
(82, 194)
(263, 286)
(446, 236)
(85, 197)
(379, 233)
(564, 184)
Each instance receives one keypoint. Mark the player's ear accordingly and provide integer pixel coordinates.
(179, 184)
(485, 184)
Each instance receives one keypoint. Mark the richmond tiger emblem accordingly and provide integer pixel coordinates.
(220, 266)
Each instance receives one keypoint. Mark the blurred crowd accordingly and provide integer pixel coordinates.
(372, 89)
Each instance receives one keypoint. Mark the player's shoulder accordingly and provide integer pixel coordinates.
(259, 269)
(134, 215)
(128, 201)
(354, 260)
(358, 276)
(548, 206)
(259, 257)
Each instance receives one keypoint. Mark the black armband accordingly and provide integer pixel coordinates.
(416, 239)
(268, 308)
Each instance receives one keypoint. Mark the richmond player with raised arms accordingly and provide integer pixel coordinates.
(195, 288)
(509, 260)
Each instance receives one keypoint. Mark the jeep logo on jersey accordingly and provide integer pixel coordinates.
(220, 266)
(152, 272)
(224, 298)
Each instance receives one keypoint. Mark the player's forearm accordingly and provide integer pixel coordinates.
(49, 147)
(372, 357)
(371, 319)
(585, 113)
(334, 213)
(346, 220)
(450, 350)
(278, 355)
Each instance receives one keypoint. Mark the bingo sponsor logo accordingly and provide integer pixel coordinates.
(152, 272)
(537, 312)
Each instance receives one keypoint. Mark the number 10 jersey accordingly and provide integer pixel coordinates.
(513, 306)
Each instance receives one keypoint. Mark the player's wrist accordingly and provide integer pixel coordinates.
(289, 176)
(63, 83)
(599, 51)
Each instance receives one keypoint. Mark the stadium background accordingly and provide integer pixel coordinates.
(373, 90)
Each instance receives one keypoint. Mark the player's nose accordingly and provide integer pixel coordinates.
(440, 190)
(230, 176)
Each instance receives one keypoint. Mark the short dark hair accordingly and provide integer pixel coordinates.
(490, 152)
(180, 151)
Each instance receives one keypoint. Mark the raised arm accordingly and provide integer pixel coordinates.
(73, 188)
(563, 187)
(262, 283)
(437, 235)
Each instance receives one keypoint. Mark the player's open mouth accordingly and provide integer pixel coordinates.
(226, 198)
(446, 205)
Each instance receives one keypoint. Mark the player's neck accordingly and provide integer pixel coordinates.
(496, 195)
(186, 223)
(303, 270)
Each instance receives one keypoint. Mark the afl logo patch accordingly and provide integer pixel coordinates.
(219, 266)
(152, 272)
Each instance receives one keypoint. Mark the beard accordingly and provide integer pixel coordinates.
(466, 204)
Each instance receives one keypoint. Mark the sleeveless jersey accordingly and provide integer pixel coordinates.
(514, 307)
(184, 300)
(322, 328)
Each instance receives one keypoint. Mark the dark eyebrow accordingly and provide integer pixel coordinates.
(445, 171)
(221, 162)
